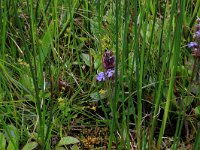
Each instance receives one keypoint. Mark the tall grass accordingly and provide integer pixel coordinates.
(51, 52)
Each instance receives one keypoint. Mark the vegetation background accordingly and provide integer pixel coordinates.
(52, 51)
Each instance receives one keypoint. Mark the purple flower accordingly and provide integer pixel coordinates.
(197, 34)
(109, 66)
(192, 45)
(100, 76)
(110, 72)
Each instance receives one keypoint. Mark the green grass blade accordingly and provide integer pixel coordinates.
(173, 67)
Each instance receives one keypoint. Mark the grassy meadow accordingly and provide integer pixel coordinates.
(98, 75)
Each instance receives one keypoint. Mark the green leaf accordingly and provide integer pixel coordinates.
(2, 141)
(13, 133)
(94, 28)
(45, 42)
(197, 110)
(74, 147)
(10, 146)
(188, 101)
(86, 58)
(60, 148)
(30, 146)
(97, 58)
(97, 62)
(12, 136)
(67, 141)
(95, 96)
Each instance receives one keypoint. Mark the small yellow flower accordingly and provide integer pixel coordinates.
(102, 92)
(27, 65)
(20, 60)
(68, 30)
(93, 108)
(60, 100)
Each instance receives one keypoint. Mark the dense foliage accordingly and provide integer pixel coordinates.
(99, 74)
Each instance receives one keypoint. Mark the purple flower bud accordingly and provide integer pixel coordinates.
(108, 60)
(192, 45)
(110, 72)
(100, 76)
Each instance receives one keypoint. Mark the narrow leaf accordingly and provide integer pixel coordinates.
(67, 141)
(2, 141)
(30, 146)
(86, 58)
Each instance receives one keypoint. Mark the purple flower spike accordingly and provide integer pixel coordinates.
(110, 72)
(192, 45)
(100, 76)
(108, 60)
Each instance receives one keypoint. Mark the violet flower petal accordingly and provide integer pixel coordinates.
(100, 76)
(110, 72)
(192, 45)
(197, 34)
